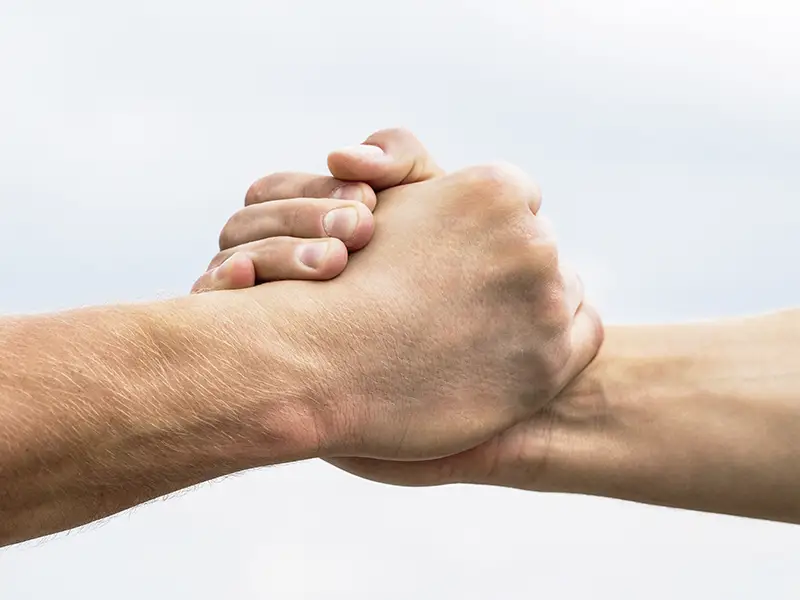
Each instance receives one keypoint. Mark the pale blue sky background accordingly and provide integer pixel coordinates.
(666, 137)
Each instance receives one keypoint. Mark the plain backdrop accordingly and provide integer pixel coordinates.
(665, 135)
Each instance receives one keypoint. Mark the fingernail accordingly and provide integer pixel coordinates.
(312, 255)
(364, 151)
(348, 192)
(341, 223)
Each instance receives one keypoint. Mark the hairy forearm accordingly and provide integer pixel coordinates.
(104, 408)
(701, 416)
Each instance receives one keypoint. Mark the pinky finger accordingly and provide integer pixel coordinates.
(274, 259)
(237, 272)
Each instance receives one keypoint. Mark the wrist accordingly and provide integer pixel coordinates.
(698, 416)
(248, 371)
(602, 440)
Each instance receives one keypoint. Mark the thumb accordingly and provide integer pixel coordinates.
(387, 158)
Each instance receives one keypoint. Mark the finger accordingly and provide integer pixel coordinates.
(387, 158)
(282, 186)
(237, 272)
(281, 258)
(351, 222)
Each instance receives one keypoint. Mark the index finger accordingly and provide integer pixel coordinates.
(284, 186)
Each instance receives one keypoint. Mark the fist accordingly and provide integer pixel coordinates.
(454, 324)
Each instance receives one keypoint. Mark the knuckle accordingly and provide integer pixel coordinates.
(255, 192)
(226, 236)
(316, 187)
(232, 231)
(499, 177)
(408, 151)
(419, 170)
(218, 259)
(391, 134)
(291, 216)
(259, 191)
(499, 189)
(275, 250)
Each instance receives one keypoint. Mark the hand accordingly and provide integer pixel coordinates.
(511, 455)
(299, 226)
(519, 457)
(454, 325)
(516, 457)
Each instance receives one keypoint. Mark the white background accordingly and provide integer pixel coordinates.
(665, 135)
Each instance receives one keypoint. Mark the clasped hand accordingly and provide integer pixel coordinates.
(455, 278)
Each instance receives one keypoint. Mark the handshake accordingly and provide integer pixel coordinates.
(409, 326)
(450, 324)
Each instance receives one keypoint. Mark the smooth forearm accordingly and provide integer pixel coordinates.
(105, 408)
(701, 416)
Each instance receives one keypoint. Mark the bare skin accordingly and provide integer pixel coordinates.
(108, 407)
(701, 416)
